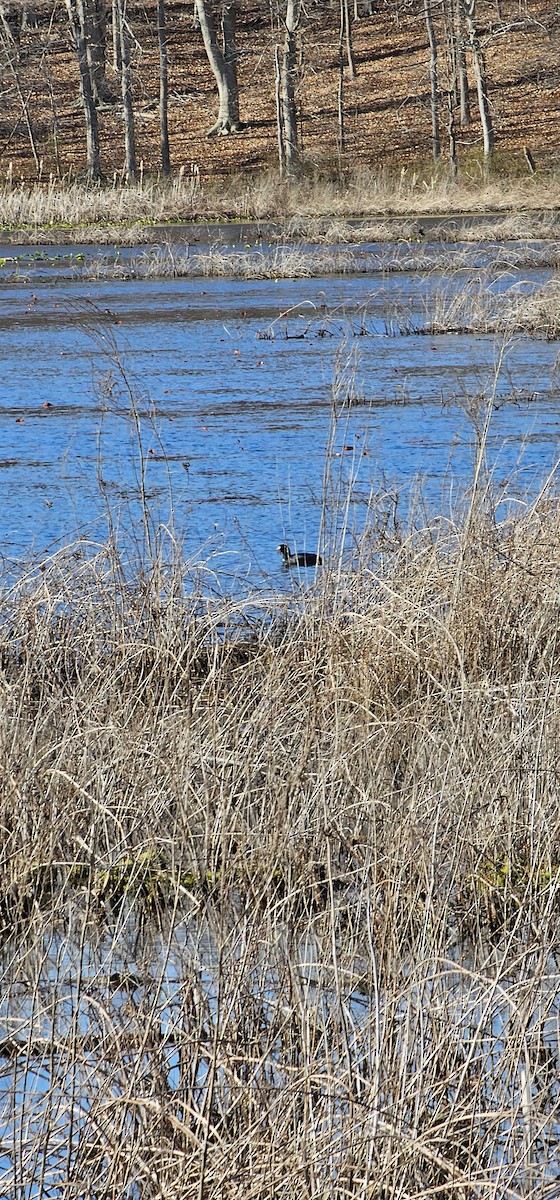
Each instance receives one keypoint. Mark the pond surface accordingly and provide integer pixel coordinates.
(257, 401)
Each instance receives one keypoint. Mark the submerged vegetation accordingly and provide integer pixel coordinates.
(279, 892)
(479, 288)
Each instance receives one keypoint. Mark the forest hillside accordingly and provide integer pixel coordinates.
(379, 118)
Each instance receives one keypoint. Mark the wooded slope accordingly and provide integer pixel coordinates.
(386, 108)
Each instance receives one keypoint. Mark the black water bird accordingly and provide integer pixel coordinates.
(305, 559)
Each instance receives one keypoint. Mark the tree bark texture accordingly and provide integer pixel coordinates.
(461, 67)
(434, 89)
(95, 30)
(341, 133)
(75, 17)
(126, 90)
(346, 27)
(278, 93)
(115, 27)
(163, 90)
(288, 87)
(479, 68)
(451, 135)
(223, 61)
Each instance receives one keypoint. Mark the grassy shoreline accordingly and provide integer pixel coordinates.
(63, 213)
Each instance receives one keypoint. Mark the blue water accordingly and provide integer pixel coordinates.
(240, 389)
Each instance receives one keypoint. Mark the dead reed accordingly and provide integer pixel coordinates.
(279, 893)
(58, 211)
(456, 294)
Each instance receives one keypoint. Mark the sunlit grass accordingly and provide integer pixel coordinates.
(297, 871)
(125, 213)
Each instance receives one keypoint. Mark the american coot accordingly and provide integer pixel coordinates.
(298, 560)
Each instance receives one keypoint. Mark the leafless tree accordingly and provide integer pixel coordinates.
(479, 68)
(95, 32)
(346, 34)
(163, 89)
(15, 18)
(11, 25)
(344, 40)
(222, 56)
(126, 90)
(462, 82)
(287, 112)
(116, 36)
(434, 86)
(76, 18)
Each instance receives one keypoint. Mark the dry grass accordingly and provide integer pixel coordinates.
(68, 211)
(472, 289)
(279, 894)
(478, 306)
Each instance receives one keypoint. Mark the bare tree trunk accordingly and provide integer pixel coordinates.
(11, 32)
(529, 160)
(126, 90)
(341, 136)
(346, 26)
(229, 18)
(47, 72)
(464, 106)
(279, 124)
(480, 78)
(223, 61)
(287, 87)
(163, 90)
(434, 89)
(11, 58)
(86, 90)
(451, 39)
(95, 29)
(451, 134)
(115, 25)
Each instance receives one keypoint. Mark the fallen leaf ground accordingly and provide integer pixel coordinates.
(386, 107)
